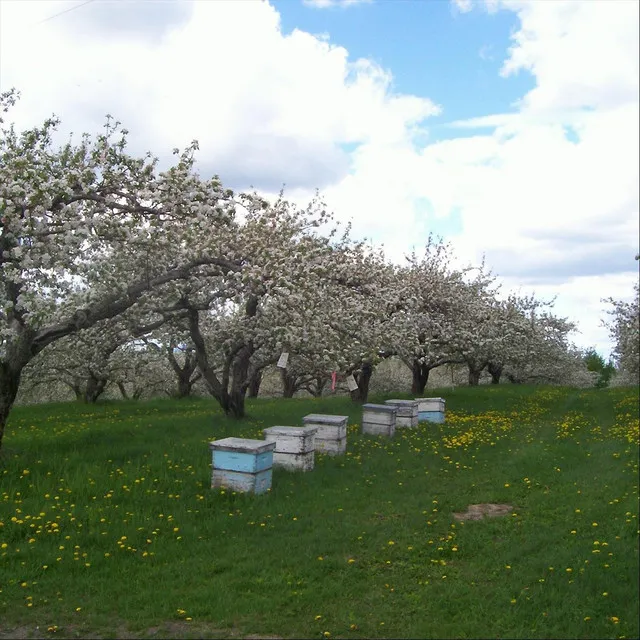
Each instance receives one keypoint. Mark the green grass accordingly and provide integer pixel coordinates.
(108, 525)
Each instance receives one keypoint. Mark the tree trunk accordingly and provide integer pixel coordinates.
(239, 381)
(363, 379)
(289, 383)
(233, 401)
(183, 388)
(236, 407)
(9, 383)
(123, 390)
(496, 372)
(183, 374)
(420, 373)
(236, 367)
(254, 384)
(474, 376)
(94, 389)
(316, 391)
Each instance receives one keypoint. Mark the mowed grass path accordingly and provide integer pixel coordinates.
(109, 527)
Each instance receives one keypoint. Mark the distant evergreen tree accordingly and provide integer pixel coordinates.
(605, 370)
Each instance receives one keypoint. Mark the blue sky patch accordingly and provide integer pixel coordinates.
(433, 51)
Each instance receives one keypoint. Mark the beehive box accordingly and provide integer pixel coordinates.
(332, 447)
(331, 434)
(407, 412)
(431, 409)
(242, 464)
(379, 419)
(295, 447)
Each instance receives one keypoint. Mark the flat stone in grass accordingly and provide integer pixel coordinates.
(379, 420)
(407, 412)
(242, 464)
(430, 409)
(331, 434)
(295, 447)
(485, 510)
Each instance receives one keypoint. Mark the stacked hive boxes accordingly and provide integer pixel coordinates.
(406, 412)
(430, 409)
(295, 447)
(331, 434)
(379, 419)
(241, 464)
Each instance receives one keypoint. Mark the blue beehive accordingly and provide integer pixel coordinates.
(241, 464)
(431, 409)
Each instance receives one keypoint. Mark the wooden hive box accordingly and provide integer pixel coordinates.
(379, 419)
(242, 464)
(295, 447)
(431, 409)
(331, 434)
(407, 412)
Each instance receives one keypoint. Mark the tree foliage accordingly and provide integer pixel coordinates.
(118, 274)
(624, 330)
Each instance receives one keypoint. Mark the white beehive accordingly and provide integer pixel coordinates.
(331, 434)
(407, 412)
(295, 447)
(379, 419)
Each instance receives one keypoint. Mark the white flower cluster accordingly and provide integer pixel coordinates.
(99, 249)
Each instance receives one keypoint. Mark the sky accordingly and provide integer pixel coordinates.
(508, 127)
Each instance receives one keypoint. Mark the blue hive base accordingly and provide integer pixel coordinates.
(431, 416)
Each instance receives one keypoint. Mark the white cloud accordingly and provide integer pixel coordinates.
(536, 186)
(548, 193)
(463, 6)
(486, 52)
(265, 107)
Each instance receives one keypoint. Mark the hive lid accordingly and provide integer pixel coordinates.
(382, 408)
(242, 445)
(325, 418)
(290, 431)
